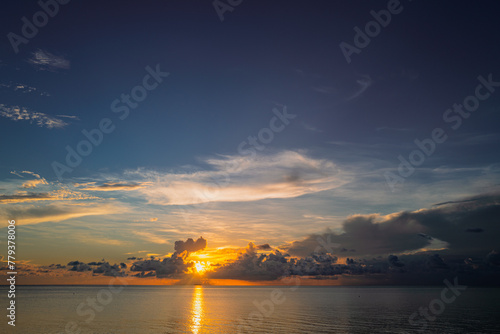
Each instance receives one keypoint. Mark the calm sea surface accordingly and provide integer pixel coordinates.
(206, 309)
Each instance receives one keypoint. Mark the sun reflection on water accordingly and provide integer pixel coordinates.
(197, 309)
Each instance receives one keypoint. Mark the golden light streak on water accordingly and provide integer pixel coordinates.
(197, 309)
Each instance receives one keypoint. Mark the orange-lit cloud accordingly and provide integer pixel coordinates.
(58, 212)
(34, 183)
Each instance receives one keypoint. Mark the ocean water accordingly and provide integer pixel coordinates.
(210, 309)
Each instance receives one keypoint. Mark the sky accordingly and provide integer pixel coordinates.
(238, 141)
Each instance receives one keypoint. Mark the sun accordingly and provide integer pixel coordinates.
(201, 266)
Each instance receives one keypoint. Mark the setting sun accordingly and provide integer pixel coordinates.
(201, 266)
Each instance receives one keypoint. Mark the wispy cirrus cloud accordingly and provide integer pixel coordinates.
(23, 88)
(286, 174)
(312, 128)
(17, 113)
(56, 195)
(37, 188)
(328, 90)
(44, 60)
(29, 184)
(151, 237)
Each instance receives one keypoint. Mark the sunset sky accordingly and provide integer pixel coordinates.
(256, 134)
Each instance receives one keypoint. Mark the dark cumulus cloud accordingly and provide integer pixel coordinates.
(109, 270)
(436, 261)
(252, 265)
(169, 267)
(99, 268)
(190, 245)
(493, 258)
(474, 230)
(454, 224)
(394, 261)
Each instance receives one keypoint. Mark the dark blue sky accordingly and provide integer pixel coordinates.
(226, 76)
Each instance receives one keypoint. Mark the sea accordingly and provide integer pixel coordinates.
(251, 309)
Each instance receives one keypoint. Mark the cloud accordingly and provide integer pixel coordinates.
(436, 261)
(174, 266)
(47, 61)
(32, 183)
(23, 88)
(67, 116)
(394, 261)
(446, 227)
(151, 237)
(493, 258)
(325, 89)
(26, 172)
(100, 268)
(286, 174)
(114, 186)
(190, 245)
(311, 128)
(152, 219)
(55, 195)
(110, 270)
(254, 266)
(474, 230)
(27, 197)
(17, 113)
(59, 212)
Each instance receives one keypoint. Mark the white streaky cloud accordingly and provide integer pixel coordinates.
(242, 179)
(311, 128)
(45, 60)
(150, 237)
(17, 113)
(68, 116)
